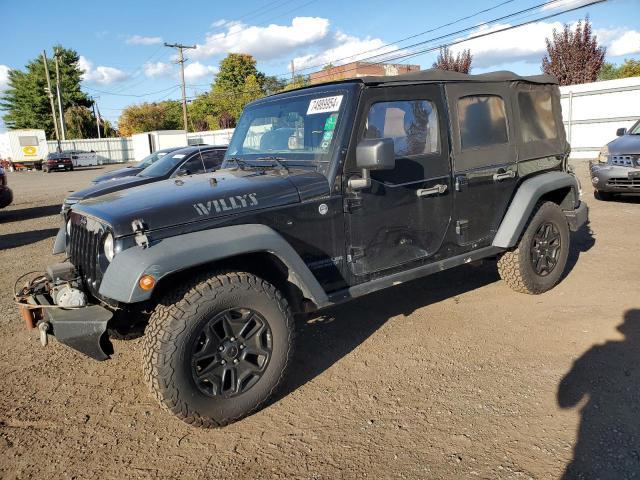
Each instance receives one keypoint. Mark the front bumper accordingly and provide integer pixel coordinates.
(83, 329)
(577, 218)
(615, 178)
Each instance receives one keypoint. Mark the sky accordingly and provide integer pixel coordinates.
(124, 60)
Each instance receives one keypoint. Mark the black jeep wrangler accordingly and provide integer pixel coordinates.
(326, 193)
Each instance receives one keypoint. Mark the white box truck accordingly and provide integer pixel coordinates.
(26, 148)
(148, 142)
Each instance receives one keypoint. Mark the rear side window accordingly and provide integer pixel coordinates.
(536, 116)
(482, 121)
(411, 124)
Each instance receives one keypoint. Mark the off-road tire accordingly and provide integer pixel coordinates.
(180, 317)
(515, 266)
(603, 196)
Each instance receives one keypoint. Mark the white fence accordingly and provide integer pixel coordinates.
(109, 150)
(119, 150)
(592, 112)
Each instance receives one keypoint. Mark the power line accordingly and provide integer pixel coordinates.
(511, 27)
(131, 94)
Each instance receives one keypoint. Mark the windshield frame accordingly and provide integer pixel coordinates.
(327, 164)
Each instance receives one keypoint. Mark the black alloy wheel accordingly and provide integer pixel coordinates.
(545, 248)
(231, 353)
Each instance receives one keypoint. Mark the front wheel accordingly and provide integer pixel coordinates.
(538, 262)
(216, 349)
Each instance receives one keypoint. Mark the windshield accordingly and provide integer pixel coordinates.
(149, 159)
(163, 165)
(635, 130)
(295, 130)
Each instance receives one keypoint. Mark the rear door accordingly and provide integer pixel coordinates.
(484, 158)
(403, 217)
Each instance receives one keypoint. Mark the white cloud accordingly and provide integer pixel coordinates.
(346, 49)
(157, 69)
(219, 23)
(628, 43)
(100, 74)
(142, 40)
(264, 43)
(4, 77)
(564, 4)
(527, 43)
(197, 71)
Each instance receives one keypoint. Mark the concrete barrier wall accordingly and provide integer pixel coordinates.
(592, 112)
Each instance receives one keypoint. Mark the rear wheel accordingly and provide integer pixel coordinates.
(216, 349)
(537, 263)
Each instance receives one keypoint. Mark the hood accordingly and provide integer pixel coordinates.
(625, 145)
(104, 188)
(121, 172)
(200, 198)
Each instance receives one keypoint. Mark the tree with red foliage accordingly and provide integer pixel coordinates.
(574, 56)
(460, 63)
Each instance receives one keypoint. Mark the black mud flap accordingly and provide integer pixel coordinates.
(83, 329)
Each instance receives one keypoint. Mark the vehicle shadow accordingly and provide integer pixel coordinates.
(581, 241)
(324, 339)
(14, 240)
(29, 213)
(605, 380)
(625, 199)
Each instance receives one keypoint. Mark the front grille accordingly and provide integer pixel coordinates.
(624, 182)
(84, 250)
(626, 160)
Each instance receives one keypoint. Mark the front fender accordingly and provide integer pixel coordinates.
(120, 281)
(527, 196)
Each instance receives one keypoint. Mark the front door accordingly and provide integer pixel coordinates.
(402, 218)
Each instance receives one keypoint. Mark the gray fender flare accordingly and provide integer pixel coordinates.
(169, 255)
(525, 200)
(61, 239)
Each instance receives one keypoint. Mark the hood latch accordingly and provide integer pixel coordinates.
(139, 232)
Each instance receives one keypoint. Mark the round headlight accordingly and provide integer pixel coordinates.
(69, 227)
(108, 246)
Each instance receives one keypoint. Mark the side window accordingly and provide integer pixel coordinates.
(536, 116)
(212, 159)
(194, 165)
(482, 121)
(411, 124)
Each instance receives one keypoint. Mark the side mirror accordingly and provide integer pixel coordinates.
(373, 154)
(621, 131)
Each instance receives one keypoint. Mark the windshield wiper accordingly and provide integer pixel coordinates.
(279, 161)
(242, 164)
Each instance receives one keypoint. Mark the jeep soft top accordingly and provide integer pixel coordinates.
(326, 193)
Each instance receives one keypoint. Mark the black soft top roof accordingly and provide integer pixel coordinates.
(436, 75)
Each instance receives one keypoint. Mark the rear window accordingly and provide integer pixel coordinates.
(482, 121)
(536, 116)
(30, 141)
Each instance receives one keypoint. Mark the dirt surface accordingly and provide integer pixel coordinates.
(451, 376)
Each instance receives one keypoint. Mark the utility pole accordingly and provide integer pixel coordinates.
(50, 95)
(63, 131)
(293, 72)
(181, 61)
(97, 115)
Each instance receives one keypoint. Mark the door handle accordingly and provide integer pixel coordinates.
(435, 190)
(498, 177)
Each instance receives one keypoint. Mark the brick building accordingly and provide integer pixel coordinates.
(360, 69)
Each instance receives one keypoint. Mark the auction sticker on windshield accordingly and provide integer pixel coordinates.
(325, 104)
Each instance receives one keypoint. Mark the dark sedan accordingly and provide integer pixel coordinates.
(135, 169)
(57, 161)
(184, 161)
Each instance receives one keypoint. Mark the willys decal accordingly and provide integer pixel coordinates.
(220, 205)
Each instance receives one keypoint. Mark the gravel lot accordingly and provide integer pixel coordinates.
(451, 376)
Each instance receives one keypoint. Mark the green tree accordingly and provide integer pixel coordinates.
(25, 101)
(147, 117)
(298, 81)
(272, 84)
(80, 122)
(608, 72)
(629, 68)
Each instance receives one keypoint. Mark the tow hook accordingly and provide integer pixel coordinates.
(44, 328)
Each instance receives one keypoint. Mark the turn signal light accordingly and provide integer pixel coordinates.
(147, 282)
